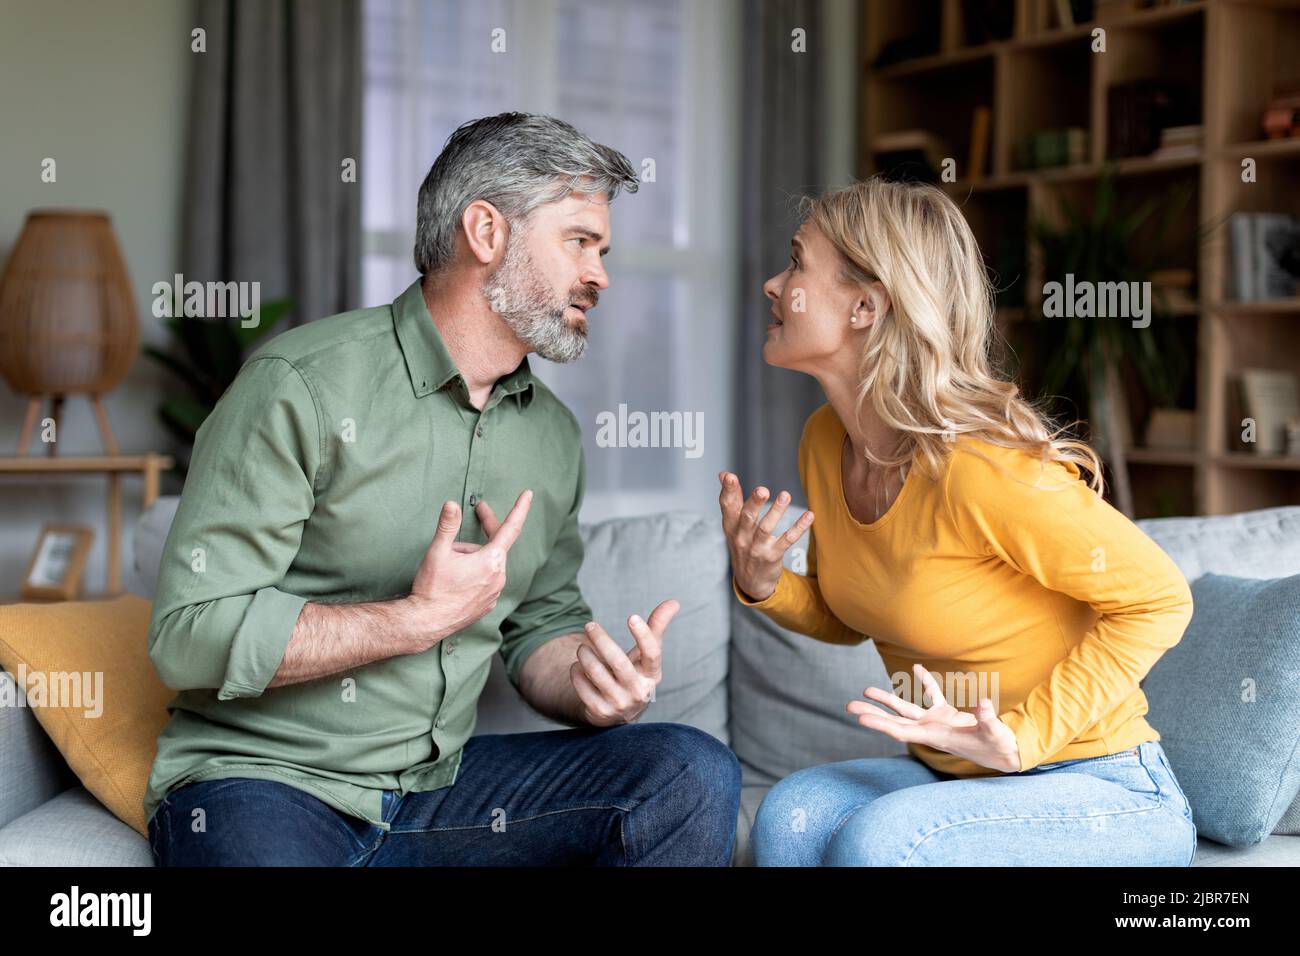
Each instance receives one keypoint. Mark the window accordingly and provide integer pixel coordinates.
(658, 80)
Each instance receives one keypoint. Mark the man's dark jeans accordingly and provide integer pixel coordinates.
(654, 794)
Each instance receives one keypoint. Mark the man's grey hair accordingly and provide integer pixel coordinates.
(517, 162)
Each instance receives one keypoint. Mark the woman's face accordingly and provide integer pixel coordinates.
(812, 306)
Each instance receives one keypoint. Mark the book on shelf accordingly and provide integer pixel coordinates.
(1264, 256)
(1272, 399)
(917, 152)
(1178, 135)
(1185, 151)
(979, 142)
(1178, 142)
(1138, 112)
(1053, 147)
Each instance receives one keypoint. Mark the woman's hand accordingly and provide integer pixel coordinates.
(980, 737)
(756, 553)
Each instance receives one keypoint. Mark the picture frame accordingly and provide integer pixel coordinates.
(55, 568)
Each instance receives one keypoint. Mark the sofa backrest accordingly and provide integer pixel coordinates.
(1252, 544)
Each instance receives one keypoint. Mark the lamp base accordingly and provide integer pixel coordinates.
(34, 403)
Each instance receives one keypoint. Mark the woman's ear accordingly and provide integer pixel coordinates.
(875, 303)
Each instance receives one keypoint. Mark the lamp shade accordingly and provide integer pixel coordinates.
(67, 313)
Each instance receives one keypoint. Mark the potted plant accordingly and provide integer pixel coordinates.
(211, 354)
(1101, 246)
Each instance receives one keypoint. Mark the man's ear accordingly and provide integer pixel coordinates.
(484, 229)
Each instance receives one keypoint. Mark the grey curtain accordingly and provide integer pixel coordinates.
(275, 110)
(782, 145)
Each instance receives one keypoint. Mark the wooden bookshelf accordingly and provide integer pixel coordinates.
(1037, 75)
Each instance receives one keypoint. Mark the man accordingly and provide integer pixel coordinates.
(336, 579)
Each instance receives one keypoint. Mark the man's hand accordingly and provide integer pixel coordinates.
(459, 582)
(980, 737)
(613, 686)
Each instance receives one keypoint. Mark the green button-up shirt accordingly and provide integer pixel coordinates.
(319, 477)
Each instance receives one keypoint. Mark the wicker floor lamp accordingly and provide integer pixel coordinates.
(68, 323)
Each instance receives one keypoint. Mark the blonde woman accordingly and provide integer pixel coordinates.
(960, 533)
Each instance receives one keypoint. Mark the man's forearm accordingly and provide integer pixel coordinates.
(332, 638)
(546, 685)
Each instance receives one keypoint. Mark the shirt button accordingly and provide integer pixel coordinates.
(479, 431)
(473, 500)
(439, 722)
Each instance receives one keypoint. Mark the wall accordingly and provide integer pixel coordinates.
(102, 88)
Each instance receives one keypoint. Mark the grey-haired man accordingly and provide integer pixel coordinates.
(336, 579)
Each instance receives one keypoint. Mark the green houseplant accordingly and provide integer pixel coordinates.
(1091, 353)
(211, 352)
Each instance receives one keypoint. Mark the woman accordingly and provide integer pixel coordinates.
(959, 533)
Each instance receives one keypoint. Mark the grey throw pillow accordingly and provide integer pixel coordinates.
(1226, 701)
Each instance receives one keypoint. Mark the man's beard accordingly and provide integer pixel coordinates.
(521, 296)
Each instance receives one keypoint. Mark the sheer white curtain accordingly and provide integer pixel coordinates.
(656, 79)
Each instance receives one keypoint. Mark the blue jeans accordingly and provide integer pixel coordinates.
(653, 794)
(1123, 809)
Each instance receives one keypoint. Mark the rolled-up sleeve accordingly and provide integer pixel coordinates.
(554, 604)
(221, 618)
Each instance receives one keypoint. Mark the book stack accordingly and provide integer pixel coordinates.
(1178, 142)
(1053, 147)
(912, 155)
(1138, 112)
(1264, 250)
(1271, 399)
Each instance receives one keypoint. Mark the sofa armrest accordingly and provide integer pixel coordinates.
(32, 771)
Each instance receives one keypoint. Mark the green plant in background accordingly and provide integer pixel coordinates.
(1102, 247)
(211, 354)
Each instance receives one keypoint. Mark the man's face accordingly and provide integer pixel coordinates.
(551, 274)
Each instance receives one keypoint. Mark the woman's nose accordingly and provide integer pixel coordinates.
(772, 290)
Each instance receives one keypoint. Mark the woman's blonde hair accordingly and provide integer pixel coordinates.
(926, 368)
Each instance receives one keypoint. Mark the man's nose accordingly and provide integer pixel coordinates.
(594, 274)
(772, 289)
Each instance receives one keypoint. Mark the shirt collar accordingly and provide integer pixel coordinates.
(429, 363)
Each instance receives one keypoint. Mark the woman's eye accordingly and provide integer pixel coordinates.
(794, 263)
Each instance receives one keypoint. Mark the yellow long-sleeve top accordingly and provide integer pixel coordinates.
(1006, 578)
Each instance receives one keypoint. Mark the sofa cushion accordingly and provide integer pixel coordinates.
(104, 703)
(31, 768)
(1226, 700)
(1252, 544)
(73, 829)
(629, 566)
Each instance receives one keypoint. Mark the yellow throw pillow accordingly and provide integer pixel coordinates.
(85, 668)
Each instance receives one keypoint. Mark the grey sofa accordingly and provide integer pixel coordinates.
(775, 697)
